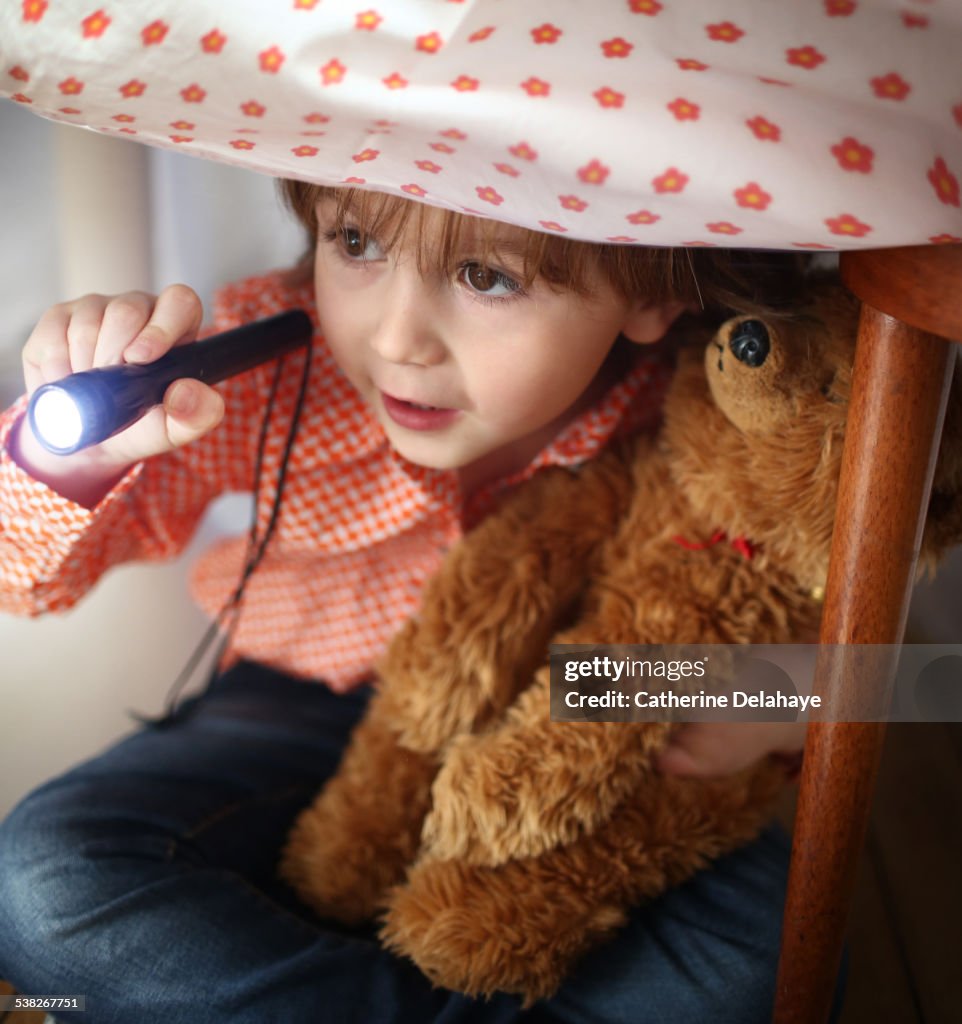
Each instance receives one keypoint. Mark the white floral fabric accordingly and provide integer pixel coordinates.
(792, 124)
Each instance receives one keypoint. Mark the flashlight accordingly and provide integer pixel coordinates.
(87, 408)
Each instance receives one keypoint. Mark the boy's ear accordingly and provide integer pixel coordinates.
(646, 323)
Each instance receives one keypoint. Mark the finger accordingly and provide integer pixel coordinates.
(83, 329)
(675, 760)
(47, 354)
(123, 319)
(176, 319)
(193, 409)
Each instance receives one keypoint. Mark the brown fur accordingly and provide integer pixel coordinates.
(498, 845)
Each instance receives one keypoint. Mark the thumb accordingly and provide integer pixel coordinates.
(193, 409)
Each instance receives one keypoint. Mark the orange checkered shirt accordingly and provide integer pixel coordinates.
(360, 528)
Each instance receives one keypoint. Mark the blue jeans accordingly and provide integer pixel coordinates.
(144, 880)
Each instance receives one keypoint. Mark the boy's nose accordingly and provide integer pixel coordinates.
(406, 328)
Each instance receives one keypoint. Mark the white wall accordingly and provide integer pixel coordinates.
(86, 213)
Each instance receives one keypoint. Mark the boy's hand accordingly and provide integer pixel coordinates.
(706, 749)
(96, 331)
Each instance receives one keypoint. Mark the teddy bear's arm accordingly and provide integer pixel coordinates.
(533, 784)
(357, 838)
(486, 616)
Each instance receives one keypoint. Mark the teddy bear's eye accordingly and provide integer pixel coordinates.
(750, 343)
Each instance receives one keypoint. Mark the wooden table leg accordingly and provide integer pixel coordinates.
(899, 390)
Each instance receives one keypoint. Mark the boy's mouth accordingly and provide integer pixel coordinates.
(417, 415)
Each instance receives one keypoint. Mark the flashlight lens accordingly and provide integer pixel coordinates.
(57, 419)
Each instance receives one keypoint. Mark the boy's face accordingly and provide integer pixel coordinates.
(503, 367)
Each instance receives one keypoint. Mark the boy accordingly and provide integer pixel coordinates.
(454, 357)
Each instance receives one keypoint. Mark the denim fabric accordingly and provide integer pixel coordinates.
(144, 879)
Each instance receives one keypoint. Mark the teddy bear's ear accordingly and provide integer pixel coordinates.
(943, 528)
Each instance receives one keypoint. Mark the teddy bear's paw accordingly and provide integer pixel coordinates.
(496, 798)
(468, 932)
(340, 876)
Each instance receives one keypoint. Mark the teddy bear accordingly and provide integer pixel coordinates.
(494, 845)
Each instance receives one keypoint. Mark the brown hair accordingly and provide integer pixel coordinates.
(719, 281)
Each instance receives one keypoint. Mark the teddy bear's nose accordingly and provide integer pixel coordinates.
(750, 343)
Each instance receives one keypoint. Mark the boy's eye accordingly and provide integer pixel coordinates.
(357, 246)
(487, 281)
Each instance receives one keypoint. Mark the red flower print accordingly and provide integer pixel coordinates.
(944, 239)
(19, 97)
(193, 94)
(773, 81)
(428, 165)
(270, 60)
(573, 203)
(616, 47)
(94, 25)
(395, 81)
(944, 182)
(621, 238)
(512, 172)
(154, 33)
(810, 245)
(124, 118)
(956, 111)
(132, 89)
(181, 138)
(33, 10)
(723, 227)
(333, 72)
(183, 126)
(683, 110)
(671, 181)
(689, 64)
(649, 7)
(642, 217)
(697, 244)
(523, 151)
(489, 195)
(354, 181)
(724, 32)
(19, 73)
(70, 86)
(453, 133)
(242, 143)
(846, 224)
(481, 34)
(536, 87)
(764, 129)
(253, 109)
(609, 97)
(593, 173)
(752, 196)
(853, 156)
(839, 8)
(366, 154)
(305, 150)
(891, 86)
(465, 83)
(368, 21)
(551, 225)
(804, 57)
(910, 20)
(414, 190)
(442, 147)
(68, 110)
(316, 118)
(429, 43)
(305, 5)
(546, 33)
(213, 42)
